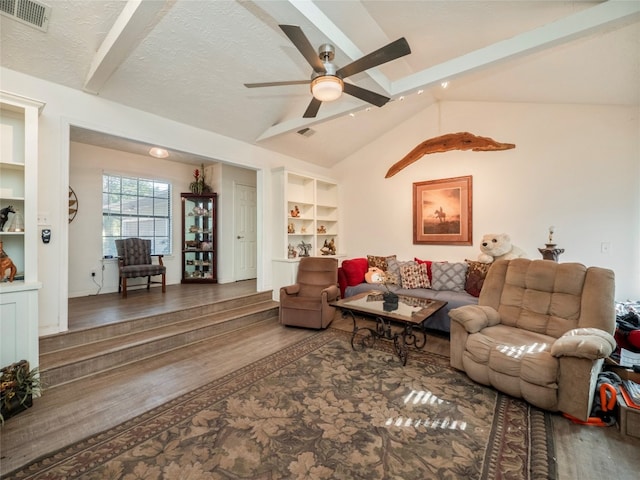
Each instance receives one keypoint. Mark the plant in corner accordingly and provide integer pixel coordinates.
(18, 385)
(199, 184)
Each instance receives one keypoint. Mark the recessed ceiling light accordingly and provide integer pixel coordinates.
(420, 92)
(401, 98)
(444, 84)
(158, 152)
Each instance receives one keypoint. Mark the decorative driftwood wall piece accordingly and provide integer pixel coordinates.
(445, 143)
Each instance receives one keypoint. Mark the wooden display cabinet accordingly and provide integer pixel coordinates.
(199, 247)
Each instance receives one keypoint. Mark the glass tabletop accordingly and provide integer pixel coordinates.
(408, 308)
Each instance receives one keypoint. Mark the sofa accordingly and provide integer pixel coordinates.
(540, 332)
(457, 283)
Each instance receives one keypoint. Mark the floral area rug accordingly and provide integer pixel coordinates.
(319, 410)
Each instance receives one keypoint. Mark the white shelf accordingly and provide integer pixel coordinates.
(18, 171)
(317, 202)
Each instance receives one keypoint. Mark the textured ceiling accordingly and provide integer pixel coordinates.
(188, 61)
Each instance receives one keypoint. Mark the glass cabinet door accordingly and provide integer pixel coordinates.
(199, 238)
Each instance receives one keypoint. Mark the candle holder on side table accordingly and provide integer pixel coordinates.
(550, 252)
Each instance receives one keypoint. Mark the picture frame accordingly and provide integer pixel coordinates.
(442, 211)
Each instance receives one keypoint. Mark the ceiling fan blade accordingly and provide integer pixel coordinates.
(389, 52)
(312, 109)
(366, 95)
(277, 84)
(301, 42)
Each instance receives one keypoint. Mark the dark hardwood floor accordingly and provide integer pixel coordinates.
(82, 408)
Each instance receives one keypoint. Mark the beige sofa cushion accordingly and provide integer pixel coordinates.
(542, 299)
(515, 352)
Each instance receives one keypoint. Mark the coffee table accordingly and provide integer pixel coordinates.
(410, 313)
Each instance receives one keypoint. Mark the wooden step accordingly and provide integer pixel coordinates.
(92, 351)
(59, 341)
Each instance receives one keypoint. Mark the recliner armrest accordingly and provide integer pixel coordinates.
(475, 317)
(332, 293)
(590, 343)
(290, 289)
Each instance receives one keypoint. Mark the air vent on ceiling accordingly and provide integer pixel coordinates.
(34, 14)
(306, 132)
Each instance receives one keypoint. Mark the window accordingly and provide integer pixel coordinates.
(136, 207)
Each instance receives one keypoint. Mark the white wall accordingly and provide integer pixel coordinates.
(86, 165)
(574, 167)
(65, 107)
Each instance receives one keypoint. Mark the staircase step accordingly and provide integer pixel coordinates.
(71, 359)
(59, 341)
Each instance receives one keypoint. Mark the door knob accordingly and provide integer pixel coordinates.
(239, 237)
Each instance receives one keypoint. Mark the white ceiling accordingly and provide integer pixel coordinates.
(187, 60)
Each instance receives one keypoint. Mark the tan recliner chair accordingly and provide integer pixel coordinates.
(540, 332)
(306, 303)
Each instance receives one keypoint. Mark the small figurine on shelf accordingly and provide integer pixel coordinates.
(4, 215)
(303, 230)
(304, 248)
(6, 264)
(322, 229)
(329, 247)
(291, 252)
(291, 228)
(295, 212)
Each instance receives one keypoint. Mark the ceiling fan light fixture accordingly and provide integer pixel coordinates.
(327, 88)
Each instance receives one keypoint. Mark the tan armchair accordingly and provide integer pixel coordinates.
(540, 332)
(306, 303)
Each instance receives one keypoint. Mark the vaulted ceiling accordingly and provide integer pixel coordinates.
(188, 60)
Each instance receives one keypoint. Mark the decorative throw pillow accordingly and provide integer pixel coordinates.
(380, 262)
(354, 270)
(449, 276)
(428, 264)
(393, 275)
(475, 277)
(374, 275)
(414, 276)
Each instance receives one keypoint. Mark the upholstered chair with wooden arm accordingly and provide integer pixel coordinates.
(135, 260)
(540, 332)
(306, 303)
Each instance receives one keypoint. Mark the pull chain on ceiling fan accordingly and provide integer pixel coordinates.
(326, 81)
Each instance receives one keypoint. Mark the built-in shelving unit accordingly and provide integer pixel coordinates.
(19, 235)
(309, 220)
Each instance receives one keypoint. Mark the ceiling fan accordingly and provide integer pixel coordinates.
(327, 80)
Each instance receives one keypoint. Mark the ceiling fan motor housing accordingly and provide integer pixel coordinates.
(326, 52)
(327, 81)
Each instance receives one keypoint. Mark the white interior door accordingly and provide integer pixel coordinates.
(245, 262)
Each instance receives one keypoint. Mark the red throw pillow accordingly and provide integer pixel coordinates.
(354, 270)
(428, 262)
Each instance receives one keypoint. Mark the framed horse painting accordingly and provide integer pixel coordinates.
(442, 211)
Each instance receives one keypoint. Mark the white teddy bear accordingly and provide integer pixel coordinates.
(498, 247)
